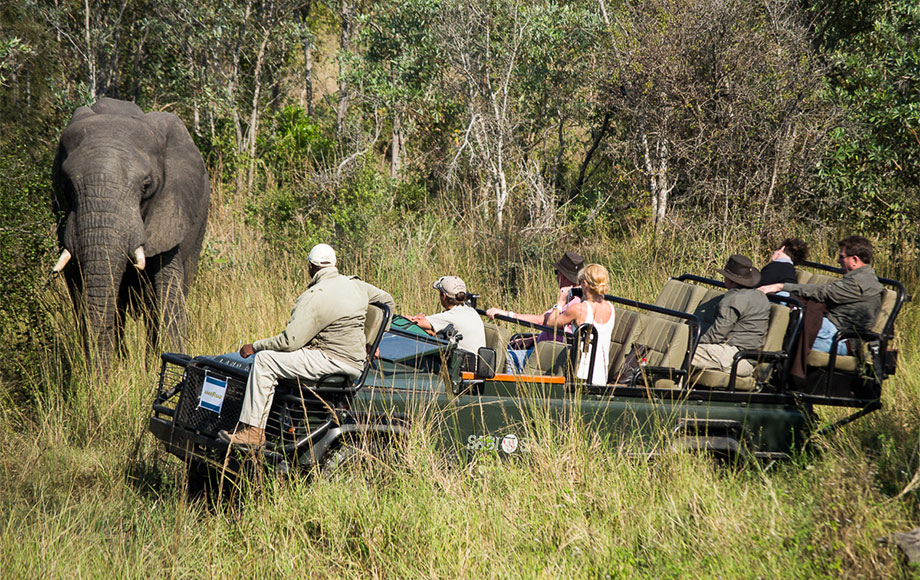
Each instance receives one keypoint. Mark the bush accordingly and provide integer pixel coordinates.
(26, 226)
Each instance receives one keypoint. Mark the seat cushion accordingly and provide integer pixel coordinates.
(714, 379)
(817, 358)
(680, 296)
(548, 358)
(497, 339)
(708, 307)
(666, 341)
(626, 328)
(888, 300)
(816, 278)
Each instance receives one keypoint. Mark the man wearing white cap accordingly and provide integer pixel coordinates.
(465, 319)
(325, 335)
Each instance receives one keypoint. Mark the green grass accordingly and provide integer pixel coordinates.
(87, 492)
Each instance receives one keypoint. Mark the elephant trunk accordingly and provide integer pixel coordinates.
(106, 233)
(103, 265)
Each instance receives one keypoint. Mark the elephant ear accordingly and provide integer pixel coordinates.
(180, 205)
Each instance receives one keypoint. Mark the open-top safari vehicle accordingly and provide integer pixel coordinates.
(650, 389)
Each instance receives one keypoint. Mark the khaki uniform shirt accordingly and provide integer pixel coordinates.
(466, 321)
(853, 302)
(329, 317)
(741, 321)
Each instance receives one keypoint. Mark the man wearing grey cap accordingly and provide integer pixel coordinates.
(741, 321)
(324, 336)
(465, 319)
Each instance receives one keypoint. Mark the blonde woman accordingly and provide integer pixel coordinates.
(593, 309)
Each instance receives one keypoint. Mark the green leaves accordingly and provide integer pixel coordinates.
(872, 164)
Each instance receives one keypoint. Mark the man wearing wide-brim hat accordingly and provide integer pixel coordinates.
(741, 321)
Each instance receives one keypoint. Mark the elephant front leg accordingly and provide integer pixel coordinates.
(168, 285)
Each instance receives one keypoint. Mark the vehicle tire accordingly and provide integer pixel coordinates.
(356, 451)
(206, 482)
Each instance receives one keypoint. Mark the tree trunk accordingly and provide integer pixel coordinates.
(307, 40)
(90, 52)
(596, 142)
(252, 134)
(395, 147)
(349, 9)
(656, 167)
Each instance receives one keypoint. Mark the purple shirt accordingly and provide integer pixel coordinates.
(559, 335)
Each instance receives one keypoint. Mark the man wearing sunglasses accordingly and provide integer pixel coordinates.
(853, 302)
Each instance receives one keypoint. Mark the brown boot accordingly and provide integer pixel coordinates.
(248, 435)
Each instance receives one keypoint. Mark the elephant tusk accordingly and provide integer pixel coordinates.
(139, 260)
(62, 261)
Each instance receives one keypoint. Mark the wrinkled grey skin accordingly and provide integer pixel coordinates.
(127, 180)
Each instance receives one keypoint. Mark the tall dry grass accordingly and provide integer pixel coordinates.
(87, 492)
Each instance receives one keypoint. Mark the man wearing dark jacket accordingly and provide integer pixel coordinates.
(853, 302)
(741, 321)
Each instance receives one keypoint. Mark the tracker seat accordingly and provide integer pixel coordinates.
(376, 323)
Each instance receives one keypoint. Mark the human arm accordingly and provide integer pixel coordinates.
(843, 291)
(532, 318)
(306, 321)
(726, 317)
(772, 288)
(375, 294)
(559, 317)
(422, 322)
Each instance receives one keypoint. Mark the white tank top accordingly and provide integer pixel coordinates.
(602, 359)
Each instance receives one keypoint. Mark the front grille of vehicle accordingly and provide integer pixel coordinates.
(191, 415)
(290, 418)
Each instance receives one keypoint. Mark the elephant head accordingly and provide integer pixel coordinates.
(135, 191)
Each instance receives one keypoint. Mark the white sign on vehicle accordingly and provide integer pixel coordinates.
(510, 443)
(212, 394)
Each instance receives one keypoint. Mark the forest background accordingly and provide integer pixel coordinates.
(480, 137)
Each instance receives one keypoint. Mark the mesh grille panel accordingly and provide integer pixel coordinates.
(191, 416)
(290, 417)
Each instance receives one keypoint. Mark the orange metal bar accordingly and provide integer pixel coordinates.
(546, 379)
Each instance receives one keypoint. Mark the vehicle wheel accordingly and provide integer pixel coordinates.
(208, 482)
(356, 451)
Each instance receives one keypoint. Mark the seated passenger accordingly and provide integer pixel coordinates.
(853, 302)
(741, 321)
(567, 269)
(781, 269)
(595, 310)
(591, 309)
(465, 319)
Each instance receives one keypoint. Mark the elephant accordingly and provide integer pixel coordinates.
(133, 191)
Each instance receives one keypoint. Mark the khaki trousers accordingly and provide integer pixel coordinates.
(270, 365)
(719, 357)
